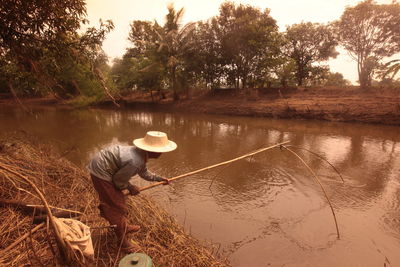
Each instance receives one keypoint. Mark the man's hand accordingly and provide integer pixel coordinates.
(133, 189)
(164, 180)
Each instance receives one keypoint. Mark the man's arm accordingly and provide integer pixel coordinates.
(122, 176)
(149, 176)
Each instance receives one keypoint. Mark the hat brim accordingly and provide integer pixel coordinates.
(142, 145)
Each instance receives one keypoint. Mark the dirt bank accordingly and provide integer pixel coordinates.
(323, 105)
(378, 106)
(336, 104)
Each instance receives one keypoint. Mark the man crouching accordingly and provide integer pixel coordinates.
(112, 168)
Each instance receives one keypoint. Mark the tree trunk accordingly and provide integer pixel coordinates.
(173, 74)
(76, 86)
(161, 94)
(187, 92)
(363, 75)
(360, 73)
(151, 94)
(284, 83)
(363, 79)
(299, 81)
(299, 77)
(11, 87)
(244, 84)
(299, 73)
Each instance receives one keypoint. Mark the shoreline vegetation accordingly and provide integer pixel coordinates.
(240, 47)
(68, 187)
(211, 66)
(345, 104)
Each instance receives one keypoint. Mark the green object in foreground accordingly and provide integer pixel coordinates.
(136, 260)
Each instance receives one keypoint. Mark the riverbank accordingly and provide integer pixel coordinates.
(377, 106)
(66, 186)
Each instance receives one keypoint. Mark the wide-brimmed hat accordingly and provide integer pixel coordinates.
(155, 141)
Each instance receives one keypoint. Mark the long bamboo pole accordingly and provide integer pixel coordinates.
(214, 166)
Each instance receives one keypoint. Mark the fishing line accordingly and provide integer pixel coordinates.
(320, 184)
(319, 156)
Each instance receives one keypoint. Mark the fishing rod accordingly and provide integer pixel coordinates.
(210, 167)
(213, 166)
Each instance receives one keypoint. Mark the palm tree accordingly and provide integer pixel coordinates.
(175, 42)
(393, 68)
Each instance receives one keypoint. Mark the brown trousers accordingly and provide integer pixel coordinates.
(112, 204)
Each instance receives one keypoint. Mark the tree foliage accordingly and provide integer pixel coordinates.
(249, 40)
(206, 63)
(44, 49)
(369, 32)
(41, 38)
(392, 68)
(237, 47)
(161, 52)
(175, 44)
(141, 63)
(241, 47)
(309, 43)
(335, 79)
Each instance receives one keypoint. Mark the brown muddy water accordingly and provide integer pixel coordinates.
(263, 211)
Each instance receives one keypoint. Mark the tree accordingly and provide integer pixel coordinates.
(335, 79)
(41, 38)
(369, 32)
(318, 75)
(249, 38)
(309, 43)
(122, 73)
(284, 71)
(10, 75)
(143, 35)
(143, 63)
(175, 42)
(164, 47)
(207, 61)
(26, 25)
(28, 29)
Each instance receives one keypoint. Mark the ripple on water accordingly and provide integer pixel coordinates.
(390, 207)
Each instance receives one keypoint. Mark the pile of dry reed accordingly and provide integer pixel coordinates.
(66, 186)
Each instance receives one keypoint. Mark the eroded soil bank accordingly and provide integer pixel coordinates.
(348, 105)
(378, 106)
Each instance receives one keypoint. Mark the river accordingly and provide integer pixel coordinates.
(262, 211)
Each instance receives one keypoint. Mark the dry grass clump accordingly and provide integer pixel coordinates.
(66, 186)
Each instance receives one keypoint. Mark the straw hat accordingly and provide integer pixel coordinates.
(155, 141)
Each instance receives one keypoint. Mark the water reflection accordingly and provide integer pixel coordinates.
(267, 203)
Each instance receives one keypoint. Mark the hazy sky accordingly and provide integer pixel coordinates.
(123, 12)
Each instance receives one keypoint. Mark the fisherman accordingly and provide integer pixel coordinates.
(112, 168)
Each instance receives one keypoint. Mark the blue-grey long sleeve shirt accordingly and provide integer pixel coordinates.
(118, 164)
